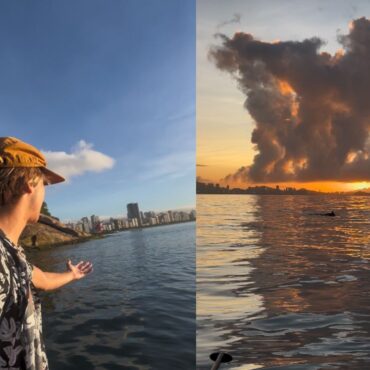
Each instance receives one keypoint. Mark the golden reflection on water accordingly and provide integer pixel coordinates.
(227, 307)
(248, 367)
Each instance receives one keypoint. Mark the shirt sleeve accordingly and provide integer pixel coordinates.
(4, 279)
(30, 267)
(11, 345)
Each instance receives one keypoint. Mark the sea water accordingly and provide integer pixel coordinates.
(280, 286)
(135, 311)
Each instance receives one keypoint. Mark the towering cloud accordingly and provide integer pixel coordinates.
(311, 109)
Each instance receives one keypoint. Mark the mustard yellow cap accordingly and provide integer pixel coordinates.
(17, 153)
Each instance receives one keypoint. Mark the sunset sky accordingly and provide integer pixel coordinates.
(306, 100)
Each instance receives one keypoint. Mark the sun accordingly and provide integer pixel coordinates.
(359, 185)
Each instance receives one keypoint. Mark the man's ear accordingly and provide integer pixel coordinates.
(28, 187)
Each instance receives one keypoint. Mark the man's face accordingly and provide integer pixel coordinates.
(36, 199)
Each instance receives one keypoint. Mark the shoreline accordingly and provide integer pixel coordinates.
(144, 227)
(282, 194)
(97, 236)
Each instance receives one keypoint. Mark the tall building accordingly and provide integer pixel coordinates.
(95, 223)
(86, 224)
(133, 212)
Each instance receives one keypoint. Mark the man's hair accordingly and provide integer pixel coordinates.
(13, 182)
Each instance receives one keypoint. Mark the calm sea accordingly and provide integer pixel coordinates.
(135, 311)
(280, 287)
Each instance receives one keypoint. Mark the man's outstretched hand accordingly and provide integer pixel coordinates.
(81, 269)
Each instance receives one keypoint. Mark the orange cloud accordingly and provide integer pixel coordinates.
(285, 88)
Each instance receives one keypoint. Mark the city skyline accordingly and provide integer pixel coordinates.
(134, 219)
(107, 217)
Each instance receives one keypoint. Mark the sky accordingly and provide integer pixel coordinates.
(275, 109)
(106, 89)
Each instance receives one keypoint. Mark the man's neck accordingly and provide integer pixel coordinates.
(12, 222)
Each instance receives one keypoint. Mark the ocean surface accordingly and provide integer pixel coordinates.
(136, 310)
(281, 287)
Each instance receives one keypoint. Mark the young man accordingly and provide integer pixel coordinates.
(23, 176)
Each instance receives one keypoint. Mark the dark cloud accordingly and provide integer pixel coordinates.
(311, 109)
(204, 180)
(202, 165)
(240, 175)
(235, 19)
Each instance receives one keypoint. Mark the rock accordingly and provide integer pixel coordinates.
(49, 231)
(56, 224)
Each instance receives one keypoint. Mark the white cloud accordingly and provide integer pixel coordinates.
(81, 159)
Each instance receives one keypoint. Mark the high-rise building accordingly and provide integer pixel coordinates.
(86, 224)
(133, 212)
(94, 223)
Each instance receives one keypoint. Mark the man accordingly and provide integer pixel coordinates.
(23, 176)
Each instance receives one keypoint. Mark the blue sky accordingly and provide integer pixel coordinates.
(104, 86)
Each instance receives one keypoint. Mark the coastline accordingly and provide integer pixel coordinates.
(50, 241)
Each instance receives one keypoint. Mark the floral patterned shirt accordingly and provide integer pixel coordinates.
(21, 342)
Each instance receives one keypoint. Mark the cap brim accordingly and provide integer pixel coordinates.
(52, 177)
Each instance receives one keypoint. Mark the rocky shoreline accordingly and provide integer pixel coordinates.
(49, 232)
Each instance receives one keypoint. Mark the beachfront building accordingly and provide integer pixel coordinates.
(86, 224)
(95, 223)
(133, 212)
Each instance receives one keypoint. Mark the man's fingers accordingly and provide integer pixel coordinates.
(87, 267)
(83, 267)
(87, 271)
(87, 263)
